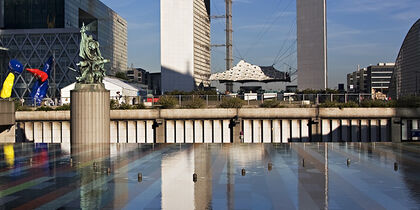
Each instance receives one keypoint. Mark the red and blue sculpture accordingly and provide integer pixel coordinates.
(40, 88)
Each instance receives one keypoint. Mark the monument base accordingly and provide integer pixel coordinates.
(90, 114)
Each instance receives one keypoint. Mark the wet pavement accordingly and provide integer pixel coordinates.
(243, 176)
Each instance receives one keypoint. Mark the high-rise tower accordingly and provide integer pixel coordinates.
(312, 44)
(185, 44)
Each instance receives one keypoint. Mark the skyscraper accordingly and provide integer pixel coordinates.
(185, 44)
(406, 78)
(312, 44)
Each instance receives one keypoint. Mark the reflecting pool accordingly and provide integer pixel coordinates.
(211, 176)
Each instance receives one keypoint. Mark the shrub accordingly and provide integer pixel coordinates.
(65, 107)
(114, 104)
(232, 103)
(195, 103)
(139, 106)
(124, 106)
(374, 103)
(44, 108)
(329, 104)
(350, 104)
(270, 104)
(333, 104)
(168, 102)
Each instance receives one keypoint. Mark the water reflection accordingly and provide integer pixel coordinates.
(278, 176)
(92, 163)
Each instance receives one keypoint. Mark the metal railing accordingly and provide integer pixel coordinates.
(216, 100)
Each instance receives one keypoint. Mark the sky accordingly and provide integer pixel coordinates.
(360, 32)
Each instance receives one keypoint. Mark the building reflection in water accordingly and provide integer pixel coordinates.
(312, 176)
(92, 162)
(211, 163)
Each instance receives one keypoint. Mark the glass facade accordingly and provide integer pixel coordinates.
(405, 80)
(39, 40)
(28, 14)
(34, 48)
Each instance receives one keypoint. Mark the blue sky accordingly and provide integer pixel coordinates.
(360, 32)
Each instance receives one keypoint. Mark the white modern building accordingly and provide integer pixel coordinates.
(185, 44)
(118, 89)
(312, 44)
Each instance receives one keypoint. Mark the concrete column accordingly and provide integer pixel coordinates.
(267, 131)
(141, 131)
(208, 131)
(326, 130)
(38, 132)
(236, 127)
(47, 132)
(90, 114)
(404, 130)
(285, 130)
(122, 132)
(226, 131)
(217, 131)
(345, 128)
(276, 131)
(65, 130)
(374, 130)
(149, 132)
(56, 128)
(384, 130)
(335, 130)
(170, 131)
(29, 131)
(364, 132)
(179, 137)
(247, 131)
(257, 131)
(198, 131)
(415, 126)
(295, 131)
(355, 131)
(160, 128)
(396, 129)
(305, 130)
(113, 131)
(189, 131)
(316, 134)
(131, 132)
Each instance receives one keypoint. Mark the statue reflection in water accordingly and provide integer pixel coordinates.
(92, 162)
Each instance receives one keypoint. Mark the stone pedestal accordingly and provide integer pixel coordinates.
(90, 114)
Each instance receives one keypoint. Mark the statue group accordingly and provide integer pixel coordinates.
(92, 66)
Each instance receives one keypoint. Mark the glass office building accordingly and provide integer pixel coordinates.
(406, 77)
(32, 31)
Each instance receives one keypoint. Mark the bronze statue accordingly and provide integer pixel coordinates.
(92, 66)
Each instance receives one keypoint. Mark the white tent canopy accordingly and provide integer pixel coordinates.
(246, 72)
(114, 85)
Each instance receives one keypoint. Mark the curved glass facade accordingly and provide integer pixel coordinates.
(405, 80)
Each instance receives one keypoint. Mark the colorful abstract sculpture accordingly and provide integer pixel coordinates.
(15, 68)
(40, 88)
